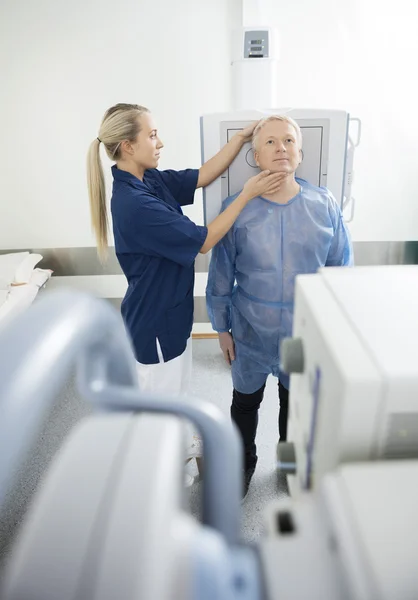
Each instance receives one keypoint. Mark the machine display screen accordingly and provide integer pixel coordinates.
(256, 44)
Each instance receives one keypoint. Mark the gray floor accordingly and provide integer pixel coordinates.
(211, 381)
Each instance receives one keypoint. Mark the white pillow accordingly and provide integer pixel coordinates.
(24, 271)
(18, 300)
(9, 264)
(40, 276)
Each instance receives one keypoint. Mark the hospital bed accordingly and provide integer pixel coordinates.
(20, 282)
(109, 519)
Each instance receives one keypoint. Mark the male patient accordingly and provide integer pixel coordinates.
(296, 230)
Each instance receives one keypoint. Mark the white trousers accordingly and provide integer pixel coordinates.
(170, 378)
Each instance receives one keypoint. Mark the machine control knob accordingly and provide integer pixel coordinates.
(292, 357)
(286, 458)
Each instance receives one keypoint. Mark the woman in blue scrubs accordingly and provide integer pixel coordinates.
(156, 245)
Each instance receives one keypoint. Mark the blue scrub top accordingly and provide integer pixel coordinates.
(156, 246)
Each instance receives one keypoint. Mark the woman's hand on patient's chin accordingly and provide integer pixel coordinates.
(263, 183)
(227, 345)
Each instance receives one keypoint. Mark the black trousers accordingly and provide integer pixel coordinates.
(244, 411)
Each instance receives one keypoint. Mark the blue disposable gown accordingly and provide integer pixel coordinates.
(269, 245)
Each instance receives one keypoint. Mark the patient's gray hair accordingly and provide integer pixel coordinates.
(271, 118)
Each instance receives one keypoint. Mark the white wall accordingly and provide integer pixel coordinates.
(359, 55)
(65, 63)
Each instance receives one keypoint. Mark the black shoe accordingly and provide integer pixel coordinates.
(248, 474)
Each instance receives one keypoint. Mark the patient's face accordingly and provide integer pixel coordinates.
(277, 148)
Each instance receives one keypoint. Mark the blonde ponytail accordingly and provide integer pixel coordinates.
(121, 122)
(97, 197)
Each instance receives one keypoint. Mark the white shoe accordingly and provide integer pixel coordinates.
(188, 480)
(195, 450)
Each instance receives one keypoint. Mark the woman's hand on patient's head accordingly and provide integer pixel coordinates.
(227, 345)
(247, 133)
